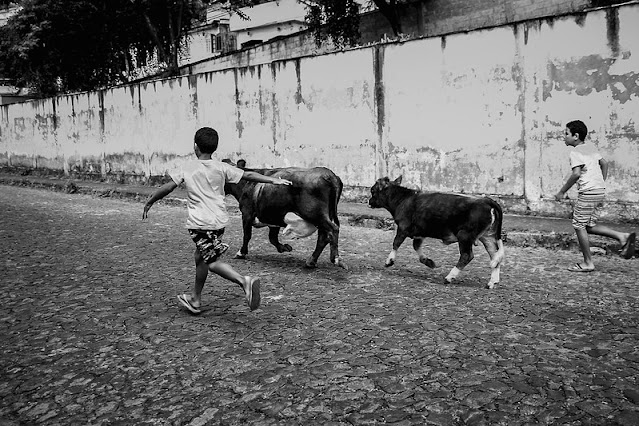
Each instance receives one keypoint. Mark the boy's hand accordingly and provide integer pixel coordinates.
(560, 196)
(280, 181)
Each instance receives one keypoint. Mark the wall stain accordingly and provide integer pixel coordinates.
(580, 19)
(299, 99)
(587, 74)
(612, 30)
(194, 100)
(238, 122)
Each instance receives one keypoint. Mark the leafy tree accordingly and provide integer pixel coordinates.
(55, 46)
(58, 45)
(388, 8)
(336, 20)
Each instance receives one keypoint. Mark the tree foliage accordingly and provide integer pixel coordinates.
(338, 20)
(55, 46)
(335, 20)
(389, 9)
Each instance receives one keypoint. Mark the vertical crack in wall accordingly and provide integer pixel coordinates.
(612, 30)
(523, 86)
(298, 72)
(275, 119)
(194, 100)
(380, 113)
(238, 122)
(102, 130)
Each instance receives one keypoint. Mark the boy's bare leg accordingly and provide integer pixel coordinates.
(604, 231)
(201, 273)
(250, 286)
(584, 245)
(226, 271)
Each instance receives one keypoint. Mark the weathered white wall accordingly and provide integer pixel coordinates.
(478, 112)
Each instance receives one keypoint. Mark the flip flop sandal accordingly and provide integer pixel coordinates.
(253, 297)
(578, 268)
(628, 249)
(184, 300)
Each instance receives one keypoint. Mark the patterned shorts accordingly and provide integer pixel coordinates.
(588, 208)
(209, 243)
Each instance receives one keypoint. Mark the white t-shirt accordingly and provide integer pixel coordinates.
(204, 180)
(587, 156)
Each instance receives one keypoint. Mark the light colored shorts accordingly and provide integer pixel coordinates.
(588, 208)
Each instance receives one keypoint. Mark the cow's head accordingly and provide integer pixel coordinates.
(378, 191)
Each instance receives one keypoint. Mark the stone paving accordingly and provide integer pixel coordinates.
(92, 332)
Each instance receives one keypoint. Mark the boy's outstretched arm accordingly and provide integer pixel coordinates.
(257, 177)
(574, 177)
(162, 192)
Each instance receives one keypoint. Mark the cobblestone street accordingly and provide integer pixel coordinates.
(92, 332)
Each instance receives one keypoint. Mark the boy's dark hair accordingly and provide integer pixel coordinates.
(206, 139)
(241, 163)
(578, 126)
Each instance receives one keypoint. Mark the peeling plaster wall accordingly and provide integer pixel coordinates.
(479, 112)
(453, 118)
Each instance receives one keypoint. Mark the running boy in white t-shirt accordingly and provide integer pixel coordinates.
(589, 171)
(204, 179)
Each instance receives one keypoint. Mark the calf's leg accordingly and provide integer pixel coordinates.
(465, 255)
(417, 245)
(274, 238)
(322, 240)
(247, 225)
(495, 250)
(397, 242)
(333, 238)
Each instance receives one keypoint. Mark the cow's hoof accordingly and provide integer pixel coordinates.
(239, 255)
(448, 281)
(284, 248)
(308, 265)
(491, 285)
(389, 263)
(428, 262)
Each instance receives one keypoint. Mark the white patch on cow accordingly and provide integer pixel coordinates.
(495, 264)
(494, 277)
(296, 227)
(454, 273)
(420, 250)
(390, 260)
(258, 224)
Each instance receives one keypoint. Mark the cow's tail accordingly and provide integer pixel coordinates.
(335, 193)
(497, 220)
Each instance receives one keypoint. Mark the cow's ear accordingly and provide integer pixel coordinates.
(398, 180)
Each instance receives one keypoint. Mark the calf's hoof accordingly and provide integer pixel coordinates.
(428, 262)
(389, 262)
(491, 285)
(284, 248)
(239, 255)
(448, 280)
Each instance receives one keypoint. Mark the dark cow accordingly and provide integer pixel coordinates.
(448, 217)
(313, 196)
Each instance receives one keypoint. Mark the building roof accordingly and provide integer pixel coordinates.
(271, 13)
